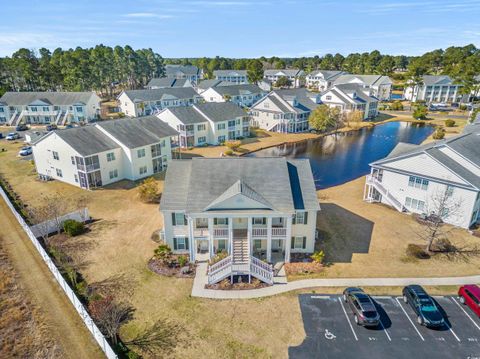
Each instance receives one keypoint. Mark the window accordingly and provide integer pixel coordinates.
(143, 169)
(201, 127)
(417, 182)
(113, 174)
(266, 105)
(79, 109)
(180, 243)
(110, 156)
(221, 126)
(179, 219)
(1, 109)
(202, 139)
(259, 220)
(231, 123)
(222, 245)
(220, 221)
(59, 172)
(328, 98)
(45, 109)
(413, 203)
(72, 159)
(299, 242)
(300, 218)
(55, 155)
(141, 153)
(76, 178)
(156, 150)
(34, 109)
(474, 216)
(257, 244)
(221, 139)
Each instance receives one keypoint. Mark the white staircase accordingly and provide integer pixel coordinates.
(240, 262)
(16, 118)
(375, 183)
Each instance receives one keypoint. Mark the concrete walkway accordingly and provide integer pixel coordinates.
(281, 286)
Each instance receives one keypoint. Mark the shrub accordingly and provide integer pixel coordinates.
(155, 236)
(73, 228)
(182, 261)
(318, 256)
(233, 145)
(449, 123)
(420, 112)
(397, 106)
(148, 190)
(462, 107)
(416, 251)
(439, 133)
(218, 257)
(228, 152)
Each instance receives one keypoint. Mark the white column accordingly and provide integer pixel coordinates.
(269, 239)
(210, 237)
(249, 236)
(230, 235)
(191, 238)
(288, 240)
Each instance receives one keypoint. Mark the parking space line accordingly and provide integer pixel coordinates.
(348, 319)
(410, 320)
(451, 331)
(385, 330)
(464, 311)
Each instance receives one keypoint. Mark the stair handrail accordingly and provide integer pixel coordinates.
(220, 265)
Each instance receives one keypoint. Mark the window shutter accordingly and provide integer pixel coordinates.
(264, 220)
(304, 242)
(215, 221)
(292, 245)
(186, 243)
(294, 219)
(184, 220)
(175, 246)
(226, 221)
(305, 218)
(173, 219)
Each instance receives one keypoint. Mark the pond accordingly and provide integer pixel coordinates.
(339, 158)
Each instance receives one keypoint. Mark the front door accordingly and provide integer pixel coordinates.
(202, 245)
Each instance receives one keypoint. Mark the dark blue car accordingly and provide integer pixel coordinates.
(424, 306)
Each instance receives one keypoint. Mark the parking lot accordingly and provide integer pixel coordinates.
(332, 333)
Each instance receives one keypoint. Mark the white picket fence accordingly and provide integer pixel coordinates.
(50, 226)
(87, 320)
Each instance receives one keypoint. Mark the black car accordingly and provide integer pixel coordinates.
(424, 306)
(51, 127)
(364, 310)
(21, 127)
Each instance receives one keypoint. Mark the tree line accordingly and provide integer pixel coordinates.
(107, 70)
(100, 68)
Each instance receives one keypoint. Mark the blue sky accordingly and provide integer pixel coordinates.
(242, 28)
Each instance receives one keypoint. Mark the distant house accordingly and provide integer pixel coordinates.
(243, 95)
(440, 178)
(256, 210)
(294, 75)
(48, 107)
(166, 82)
(434, 89)
(207, 123)
(381, 86)
(265, 85)
(284, 110)
(238, 77)
(351, 97)
(189, 72)
(320, 80)
(107, 152)
(134, 103)
(206, 84)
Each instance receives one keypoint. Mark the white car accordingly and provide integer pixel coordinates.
(12, 136)
(25, 151)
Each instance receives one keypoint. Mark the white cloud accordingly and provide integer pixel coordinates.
(148, 15)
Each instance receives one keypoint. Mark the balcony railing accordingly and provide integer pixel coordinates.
(259, 232)
(279, 232)
(200, 232)
(88, 168)
(220, 233)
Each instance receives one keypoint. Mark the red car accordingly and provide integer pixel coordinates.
(470, 295)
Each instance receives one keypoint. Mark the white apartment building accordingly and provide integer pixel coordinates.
(134, 103)
(251, 208)
(351, 97)
(48, 107)
(296, 76)
(441, 178)
(189, 72)
(284, 110)
(434, 89)
(242, 95)
(321, 80)
(208, 123)
(109, 151)
(380, 86)
(238, 77)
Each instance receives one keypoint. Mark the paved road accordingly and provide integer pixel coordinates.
(332, 333)
(430, 114)
(63, 321)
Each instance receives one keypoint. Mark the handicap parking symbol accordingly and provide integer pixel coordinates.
(329, 335)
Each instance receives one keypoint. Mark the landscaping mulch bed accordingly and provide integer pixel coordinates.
(300, 268)
(158, 267)
(237, 285)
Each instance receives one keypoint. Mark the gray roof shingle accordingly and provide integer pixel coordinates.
(185, 69)
(170, 93)
(55, 98)
(138, 131)
(238, 90)
(187, 115)
(193, 185)
(165, 82)
(220, 111)
(230, 73)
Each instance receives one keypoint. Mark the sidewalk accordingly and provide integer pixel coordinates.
(198, 289)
